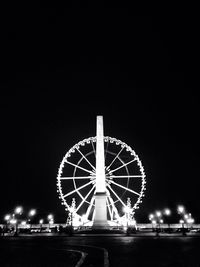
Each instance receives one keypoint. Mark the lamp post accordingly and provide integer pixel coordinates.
(182, 223)
(18, 211)
(153, 224)
(151, 219)
(71, 210)
(158, 215)
(50, 219)
(31, 213)
(183, 230)
(190, 221)
(41, 222)
(181, 211)
(161, 222)
(7, 218)
(127, 211)
(167, 212)
(13, 222)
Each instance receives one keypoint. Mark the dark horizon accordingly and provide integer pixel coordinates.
(139, 73)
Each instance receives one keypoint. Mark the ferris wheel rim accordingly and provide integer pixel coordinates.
(92, 140)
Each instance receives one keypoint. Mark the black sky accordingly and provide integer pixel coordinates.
(62, 68)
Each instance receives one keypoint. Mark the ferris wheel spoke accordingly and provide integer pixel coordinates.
(116, 195)
(125, 164)
(75, 177)
(79, 167)
(77, 189)
(115, 158)
(126, 176)
(93, 149)
(86, 159)
(106, 150)
(84, 199)
(93, 214)
(89, 208)
(126, 188)
(113, 207)
(109, 210)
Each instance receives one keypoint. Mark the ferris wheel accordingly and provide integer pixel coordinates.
(124, 179)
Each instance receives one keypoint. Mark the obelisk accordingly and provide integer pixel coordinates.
(100, 213)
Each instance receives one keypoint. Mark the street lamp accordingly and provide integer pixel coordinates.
(127, 211)
(31, 213)
(151, 219)
(41, 222)
(181, 222)
(18, 211)
(180, 209)
(190, 221)
(71, 210)
(7, 217)
(167, 212)
(158, 213)
(50, 219)
(151, 216)
(13, 221)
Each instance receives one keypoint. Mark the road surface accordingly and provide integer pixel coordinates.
(97, 251)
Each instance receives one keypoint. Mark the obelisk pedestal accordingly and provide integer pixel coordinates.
(100, 213)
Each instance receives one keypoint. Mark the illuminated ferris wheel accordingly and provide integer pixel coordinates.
(124, 180)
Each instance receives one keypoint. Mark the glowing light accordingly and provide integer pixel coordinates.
(127, 209)
(186, 216)
(32, 212)
(18, 210)
(13, 221)
(51, 222)
(23, 223)
(7, 217)
(181, 221)
(50, 217)
(71, 209)
(151, 216)
(41, 221)
(84, 218)
(190, 220)
(154, 221)
(181, 209)
(158, 214)
(167, 212)
(161, 221)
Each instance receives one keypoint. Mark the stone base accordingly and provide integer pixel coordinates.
(100, 225)
(100, 217)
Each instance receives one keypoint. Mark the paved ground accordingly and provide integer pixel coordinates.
(114, 251)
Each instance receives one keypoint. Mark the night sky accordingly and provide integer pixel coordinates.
(62, 68)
